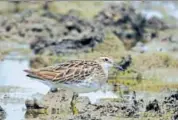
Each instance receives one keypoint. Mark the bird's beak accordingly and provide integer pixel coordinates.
(118, 67)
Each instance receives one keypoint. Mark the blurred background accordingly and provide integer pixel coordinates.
(37, 34)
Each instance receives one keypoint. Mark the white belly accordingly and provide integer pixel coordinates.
(82, 87)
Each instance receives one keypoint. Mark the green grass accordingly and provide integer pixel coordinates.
(155, 60)
(152, 85)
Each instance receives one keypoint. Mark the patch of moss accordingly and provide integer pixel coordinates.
(145, 85)
(135, 81)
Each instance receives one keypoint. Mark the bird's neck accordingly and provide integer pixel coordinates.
(105, 69)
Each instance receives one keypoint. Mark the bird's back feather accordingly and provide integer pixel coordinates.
(68, 71)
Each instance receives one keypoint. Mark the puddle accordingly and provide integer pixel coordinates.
(14, 111)
(11, 74)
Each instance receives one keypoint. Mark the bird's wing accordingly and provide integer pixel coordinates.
(69, 71)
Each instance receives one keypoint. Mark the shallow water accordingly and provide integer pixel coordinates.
(11, 74)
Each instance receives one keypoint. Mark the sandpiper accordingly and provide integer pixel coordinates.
(74, 71)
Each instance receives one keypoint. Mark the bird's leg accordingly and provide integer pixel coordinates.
(73, 104)
(120, 93)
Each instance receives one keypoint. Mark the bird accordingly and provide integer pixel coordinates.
(74, 71)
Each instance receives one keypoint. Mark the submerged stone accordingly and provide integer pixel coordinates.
(2, 114)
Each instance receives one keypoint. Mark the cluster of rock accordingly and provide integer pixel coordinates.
(170, 104)
(52, 33)
(65, 104)
(75, 35)
(167, 108)
(2, 113)
(54, 103)
(71, 107)
(130, 26)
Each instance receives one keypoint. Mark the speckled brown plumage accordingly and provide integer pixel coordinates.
(72, 71)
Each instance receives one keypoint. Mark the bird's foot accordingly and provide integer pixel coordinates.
(53, 89)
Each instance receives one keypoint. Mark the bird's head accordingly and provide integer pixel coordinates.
(106, 62)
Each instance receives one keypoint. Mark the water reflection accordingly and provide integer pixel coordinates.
(11, 74)
(14, 111)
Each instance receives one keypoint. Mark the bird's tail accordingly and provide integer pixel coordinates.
(31, 74)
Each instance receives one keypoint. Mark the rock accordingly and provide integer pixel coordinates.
(1, 109)
(156, 23)
(153, 106)
(84, 105)
(126, 23)
(170, 103)
(75, 35)
(2, 114)
(34, 108)
(86, 116)
(54, 105)
(60, 100)
(61, 104)
(115, 14)
(124, 63)
(175, 116)
(38, 105)
(116, 109)
(65, 104)
(109, 109)
(34, 104)
(29, 104)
